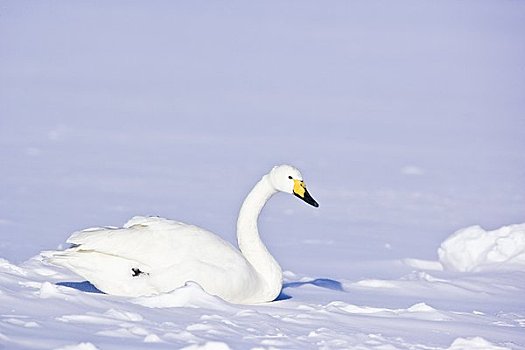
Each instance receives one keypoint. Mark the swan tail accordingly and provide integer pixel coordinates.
(70, 259)
(110, 274)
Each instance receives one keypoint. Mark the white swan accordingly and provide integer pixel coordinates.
(152, 255)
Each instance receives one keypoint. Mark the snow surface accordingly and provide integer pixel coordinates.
(406, 119)
(46, 307)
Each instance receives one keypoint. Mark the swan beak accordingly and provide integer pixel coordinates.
(299, 190)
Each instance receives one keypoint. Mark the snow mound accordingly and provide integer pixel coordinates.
(475, 249)
(211, 345)
(80, 346)
(475, 343)
(420, 311)
(7, 267)
(190, 295)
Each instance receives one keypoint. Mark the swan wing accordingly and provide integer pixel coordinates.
(151, 255)
(153, 242)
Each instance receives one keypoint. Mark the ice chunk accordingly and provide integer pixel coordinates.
(475, 249)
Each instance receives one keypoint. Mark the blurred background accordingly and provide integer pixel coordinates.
(406, 119)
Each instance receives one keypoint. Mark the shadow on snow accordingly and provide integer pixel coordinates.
(81, 286)
(318, 282)
(327, 283)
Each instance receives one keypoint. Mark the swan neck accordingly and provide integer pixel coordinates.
(248, 237)
(253, 205)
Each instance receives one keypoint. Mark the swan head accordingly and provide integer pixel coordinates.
(288, 179)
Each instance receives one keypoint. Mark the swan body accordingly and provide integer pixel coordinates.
(152, 255)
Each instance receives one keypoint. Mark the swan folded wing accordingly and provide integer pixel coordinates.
(110, 274)
(154, 255)
(159, 243)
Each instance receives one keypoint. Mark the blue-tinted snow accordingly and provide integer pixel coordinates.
(406, 119)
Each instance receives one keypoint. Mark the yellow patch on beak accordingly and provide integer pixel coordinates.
(299, 188)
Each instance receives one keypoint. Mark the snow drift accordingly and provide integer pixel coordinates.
(475, 249)
(38, 310)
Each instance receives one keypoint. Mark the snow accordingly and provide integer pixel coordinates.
(185, 296)
(475, 249)
(80, 346)
(417, 310)
(473, 344)
(405, 118)
(212, 345)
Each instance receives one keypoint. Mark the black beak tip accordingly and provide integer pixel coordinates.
(308, 199)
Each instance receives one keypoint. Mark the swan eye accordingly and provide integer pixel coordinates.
(290, 177)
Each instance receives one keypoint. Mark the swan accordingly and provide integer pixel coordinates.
(153, 255)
